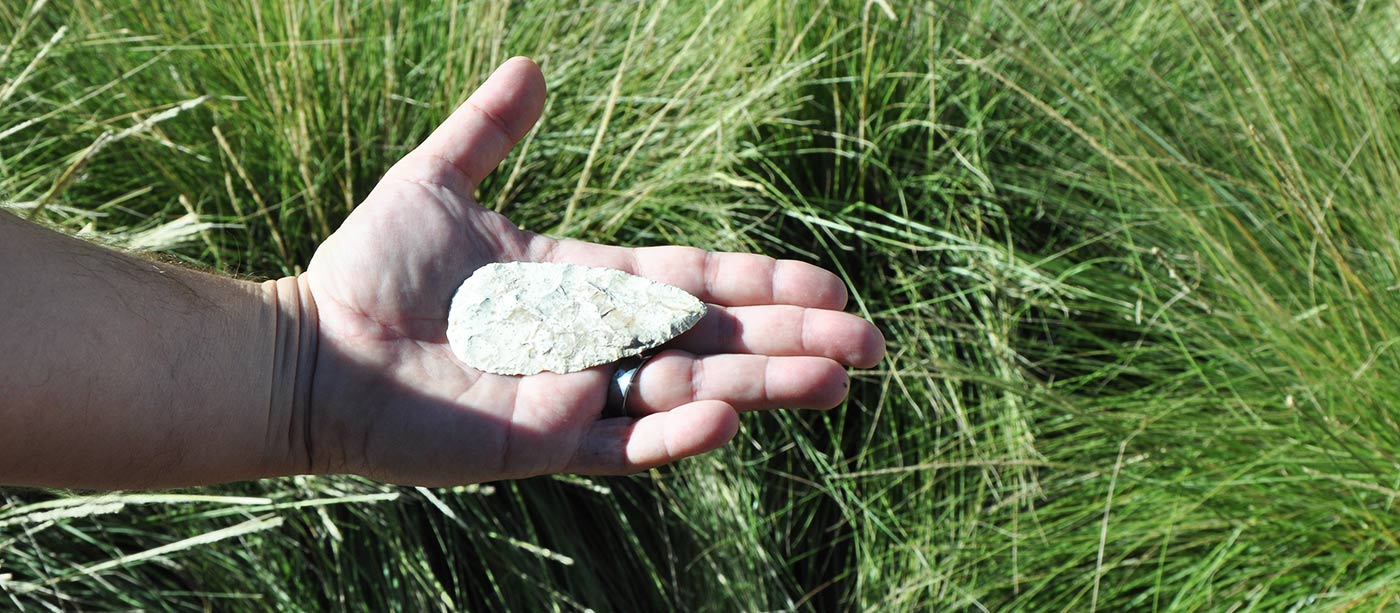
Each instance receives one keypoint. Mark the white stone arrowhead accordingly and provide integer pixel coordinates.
(521, 318)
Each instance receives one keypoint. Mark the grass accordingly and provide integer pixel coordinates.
(1136, 263)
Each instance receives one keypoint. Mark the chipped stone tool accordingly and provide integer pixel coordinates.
(521, 318)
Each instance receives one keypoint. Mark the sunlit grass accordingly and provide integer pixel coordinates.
(1136, 264)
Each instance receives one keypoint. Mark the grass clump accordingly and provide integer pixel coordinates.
(1135, 261)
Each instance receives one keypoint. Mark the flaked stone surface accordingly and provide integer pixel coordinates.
(522, 318)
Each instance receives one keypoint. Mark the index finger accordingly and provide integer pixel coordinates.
(729, 279)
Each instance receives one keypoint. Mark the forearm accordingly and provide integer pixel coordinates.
(117, 372)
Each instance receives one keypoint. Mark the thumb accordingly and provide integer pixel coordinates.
(483, 130)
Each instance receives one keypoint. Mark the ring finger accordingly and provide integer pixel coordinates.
(748, 382)
(785, 330)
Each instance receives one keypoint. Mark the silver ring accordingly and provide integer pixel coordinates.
(620, 385)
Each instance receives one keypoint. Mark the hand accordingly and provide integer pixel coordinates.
(390, 401)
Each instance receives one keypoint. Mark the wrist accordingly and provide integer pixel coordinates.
(288, 448)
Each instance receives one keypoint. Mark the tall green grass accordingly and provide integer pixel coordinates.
(1135, 261)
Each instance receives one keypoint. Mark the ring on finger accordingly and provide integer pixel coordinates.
(620, 385)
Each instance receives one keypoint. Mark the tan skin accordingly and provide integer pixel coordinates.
(116, 372)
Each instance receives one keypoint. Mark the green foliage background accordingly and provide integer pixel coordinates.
(1136, 262)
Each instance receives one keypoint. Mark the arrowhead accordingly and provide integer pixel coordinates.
(521, 318)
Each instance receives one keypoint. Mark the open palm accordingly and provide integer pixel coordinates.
(390, 401)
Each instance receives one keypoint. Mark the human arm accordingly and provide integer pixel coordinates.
(345, 369)
(117, 371)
